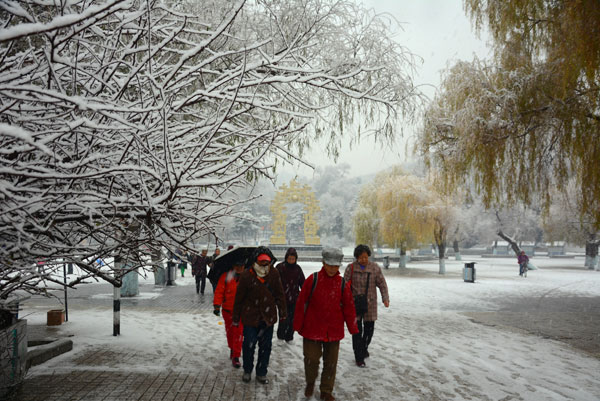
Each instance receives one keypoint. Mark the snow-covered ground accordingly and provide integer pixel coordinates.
(424, 347)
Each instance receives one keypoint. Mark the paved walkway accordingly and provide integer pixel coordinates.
(104, 374)
(418, 367)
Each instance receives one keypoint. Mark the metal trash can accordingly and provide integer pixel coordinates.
(469, 272)
(171, 272)
(386, 262)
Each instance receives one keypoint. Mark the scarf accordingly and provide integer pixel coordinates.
(261, 271)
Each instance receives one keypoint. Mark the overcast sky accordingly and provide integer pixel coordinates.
(440, 33)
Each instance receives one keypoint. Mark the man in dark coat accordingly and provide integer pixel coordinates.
(258, 297)
(292, 278)
(213, 276)
(199, 263)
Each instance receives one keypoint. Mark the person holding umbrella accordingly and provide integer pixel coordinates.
(224, 300)
(258, 298)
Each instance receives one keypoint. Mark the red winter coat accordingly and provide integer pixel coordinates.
(324, 318)
(225, 291)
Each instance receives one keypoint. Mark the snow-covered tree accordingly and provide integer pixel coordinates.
(366, 219)
(528, 119)
(127, 122)
(337, 194)
(401, 204)
(404, 210)
(564, 222)
(249, 221)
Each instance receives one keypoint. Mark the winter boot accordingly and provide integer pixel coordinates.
(246, 377)
(327, 397)
(236, 362)
(262, 379)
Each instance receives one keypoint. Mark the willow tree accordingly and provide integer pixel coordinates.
(402, 209)
(528, 119)
(365, 219)
(562, 223)
(402, 204)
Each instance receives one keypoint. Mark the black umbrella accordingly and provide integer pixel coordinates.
(224, 262)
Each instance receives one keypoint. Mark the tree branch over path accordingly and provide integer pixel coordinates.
(156, 114)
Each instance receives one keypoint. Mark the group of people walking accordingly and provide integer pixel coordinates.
(253, 300)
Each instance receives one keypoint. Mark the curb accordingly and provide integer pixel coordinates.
(49, 349)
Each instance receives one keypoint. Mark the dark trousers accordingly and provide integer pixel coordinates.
(285, 330)
(263, 336)
(362, 339)
(200, 283)
(522, 268)
(312, 357)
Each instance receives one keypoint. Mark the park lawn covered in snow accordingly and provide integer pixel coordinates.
(424, 347)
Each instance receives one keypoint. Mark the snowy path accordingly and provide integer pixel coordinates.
(424, 347)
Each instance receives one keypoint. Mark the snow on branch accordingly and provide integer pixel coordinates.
(125, 125)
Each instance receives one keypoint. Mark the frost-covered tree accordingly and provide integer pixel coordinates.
(404, 210)
(564, 222)
(127, 122)
(401, 204)
(249, 221)
(366, 219)
(528, 119)
(337, 193)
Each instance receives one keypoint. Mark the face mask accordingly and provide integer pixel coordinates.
(261, 271)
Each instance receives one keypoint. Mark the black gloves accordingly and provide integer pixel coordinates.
(217, 310)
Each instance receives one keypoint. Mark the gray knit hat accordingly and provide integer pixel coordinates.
(332, 256)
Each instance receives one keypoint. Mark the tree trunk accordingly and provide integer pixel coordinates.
(402, 261)
(439, 234)
(442, 254)
(403, 257)
(513, 244)
(159, 270)
(456, 250)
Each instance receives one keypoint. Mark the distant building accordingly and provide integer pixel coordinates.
(500, 248)
(556, 248)
(504, 248)
(528, 247)
(425, 250)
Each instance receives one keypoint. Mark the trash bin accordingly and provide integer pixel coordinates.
(171, 273)
(386, 262)
(469, 272)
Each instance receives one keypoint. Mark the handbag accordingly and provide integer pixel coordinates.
(361, 303)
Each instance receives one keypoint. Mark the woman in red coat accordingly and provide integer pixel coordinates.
(320, 314)
(224, 299)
